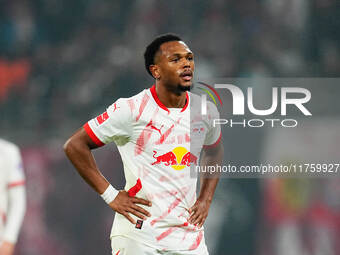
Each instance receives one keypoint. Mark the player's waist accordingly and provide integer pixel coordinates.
(167, 233)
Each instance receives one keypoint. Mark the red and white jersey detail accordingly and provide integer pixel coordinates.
(157, 150)
(11, 176)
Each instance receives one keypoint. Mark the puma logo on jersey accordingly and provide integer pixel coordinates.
(152, 126)
(157, 129)
(115, 107)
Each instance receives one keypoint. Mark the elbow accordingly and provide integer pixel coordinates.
(76, 144)
(68, 145)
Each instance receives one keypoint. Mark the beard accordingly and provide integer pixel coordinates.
(178, 89)
(184, 88)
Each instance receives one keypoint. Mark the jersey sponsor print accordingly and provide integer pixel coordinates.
(178, 158)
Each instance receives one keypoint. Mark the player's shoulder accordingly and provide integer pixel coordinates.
(128, 107)
(8, 148)
(4, 144)
(135, 102)
(135, 98)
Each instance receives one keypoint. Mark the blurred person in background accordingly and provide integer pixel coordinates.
(153, 131)
(12, 196)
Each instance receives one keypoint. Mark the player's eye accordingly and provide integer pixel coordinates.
(190, 58)
(175, 60)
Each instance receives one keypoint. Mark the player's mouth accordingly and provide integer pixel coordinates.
(186, 75)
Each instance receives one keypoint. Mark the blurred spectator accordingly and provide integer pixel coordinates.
(12, 196)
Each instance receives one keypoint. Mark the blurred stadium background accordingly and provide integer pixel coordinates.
(62, 62)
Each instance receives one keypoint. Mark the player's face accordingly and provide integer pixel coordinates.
(175, 63)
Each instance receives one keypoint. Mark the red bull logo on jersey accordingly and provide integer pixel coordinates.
(178, 158)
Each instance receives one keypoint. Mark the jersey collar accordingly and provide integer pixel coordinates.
(160, 104)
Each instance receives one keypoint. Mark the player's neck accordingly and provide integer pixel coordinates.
(169, 98)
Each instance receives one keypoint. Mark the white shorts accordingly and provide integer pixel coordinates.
(125, 246)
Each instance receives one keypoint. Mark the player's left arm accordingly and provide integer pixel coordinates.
(211, 156)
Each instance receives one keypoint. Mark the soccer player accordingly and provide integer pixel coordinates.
(12, 196)
(159, 134)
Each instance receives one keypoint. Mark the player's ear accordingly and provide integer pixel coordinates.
(154, 69)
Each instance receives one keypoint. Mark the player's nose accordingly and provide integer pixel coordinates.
(186, 63)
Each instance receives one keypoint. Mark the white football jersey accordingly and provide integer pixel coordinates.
(158, 145)
(11, 175)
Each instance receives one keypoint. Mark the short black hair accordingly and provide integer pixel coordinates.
(153, 47)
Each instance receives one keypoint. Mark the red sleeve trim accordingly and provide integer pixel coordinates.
(214, 144)
(15, 184)
(92, 135)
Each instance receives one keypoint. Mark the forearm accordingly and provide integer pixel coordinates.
(16, 212)
(208, 187)
(209, 181)
(199, 211)
(82, 159)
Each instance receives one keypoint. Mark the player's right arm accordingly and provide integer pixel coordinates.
(78, 149)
